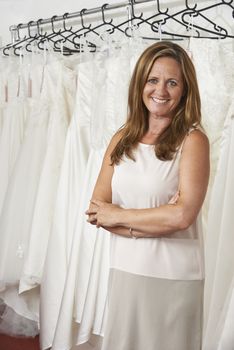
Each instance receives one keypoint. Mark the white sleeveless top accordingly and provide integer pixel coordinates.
(149, 182)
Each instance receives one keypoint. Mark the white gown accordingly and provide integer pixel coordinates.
(57, 264)
(15, 109)
(211, 61)
(219, 291)
(19, 204)
(12, 133)
(19, 315)
(19, 200)
(82, 247)
(47, 187)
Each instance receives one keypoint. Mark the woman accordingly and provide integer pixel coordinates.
(148, 194)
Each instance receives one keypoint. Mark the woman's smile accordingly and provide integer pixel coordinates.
(164, 88)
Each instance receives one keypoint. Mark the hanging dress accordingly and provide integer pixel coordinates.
(19, 204)
(47, 187)
(78, 274)
(14, 119)
(20, 196)
(57, 263)
(219, 286)
(209, 60)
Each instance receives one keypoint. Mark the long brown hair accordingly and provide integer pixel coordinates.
(187, 114)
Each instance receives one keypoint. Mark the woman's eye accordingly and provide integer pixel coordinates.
(152, 81)
(172, 83)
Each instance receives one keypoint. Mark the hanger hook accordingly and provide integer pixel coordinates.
(29, 32)
(64, 22)
(159, 9)
(38, 27)
(82, 12)
(132, 3)
(103, 15)
(156, 26)
(4, 50)
(189, 24)
(190, 7)
(53, 19)
(17, 30)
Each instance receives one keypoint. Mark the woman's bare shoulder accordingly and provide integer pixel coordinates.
(196, 138)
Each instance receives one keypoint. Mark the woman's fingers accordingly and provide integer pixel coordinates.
(92, 219)
(102, 213)
(91, 211)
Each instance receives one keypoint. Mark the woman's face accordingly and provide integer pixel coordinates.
(164, 88)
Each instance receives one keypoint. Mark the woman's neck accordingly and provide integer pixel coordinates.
(156, 127)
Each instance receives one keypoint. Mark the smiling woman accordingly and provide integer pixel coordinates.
(185, 109)
(164, 88)
(151, 188)
(161, 95)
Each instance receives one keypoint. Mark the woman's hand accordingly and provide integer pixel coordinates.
(92, 212)
(103, 214)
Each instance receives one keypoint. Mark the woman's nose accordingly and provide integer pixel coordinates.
(161, 88)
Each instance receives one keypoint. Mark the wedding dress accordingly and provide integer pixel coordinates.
(43, 211)
(219, 291)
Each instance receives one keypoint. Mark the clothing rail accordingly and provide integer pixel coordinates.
(78, 14)
(162, 22)
(117, 6)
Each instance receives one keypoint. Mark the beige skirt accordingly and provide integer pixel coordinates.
(146, 313)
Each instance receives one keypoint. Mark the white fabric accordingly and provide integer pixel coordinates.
(213, 61)
(21, 193)
(150, 313)
(227, 336)
(12, 133)
(219, 248)
(160, 260)
(68, 201)
(20, 199)
(48, 182)
(178, 256)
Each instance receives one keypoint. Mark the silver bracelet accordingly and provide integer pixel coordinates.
(131, 234)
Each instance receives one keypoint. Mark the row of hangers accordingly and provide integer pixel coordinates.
(71, 32)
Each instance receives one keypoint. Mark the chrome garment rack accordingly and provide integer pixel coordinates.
(68, 32)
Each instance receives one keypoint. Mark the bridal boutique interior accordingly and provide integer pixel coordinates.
(64, 83)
